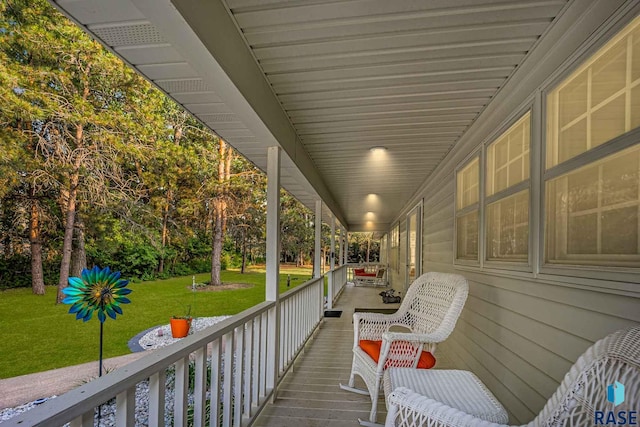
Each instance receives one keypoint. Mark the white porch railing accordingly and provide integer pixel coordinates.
(232, 353)
(300, 313)
(336, 283)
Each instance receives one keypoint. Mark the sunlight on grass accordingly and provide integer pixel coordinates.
(38, 335)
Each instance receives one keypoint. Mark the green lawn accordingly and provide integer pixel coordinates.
(37, 335)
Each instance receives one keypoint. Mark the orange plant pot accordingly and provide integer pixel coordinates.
(180, 327)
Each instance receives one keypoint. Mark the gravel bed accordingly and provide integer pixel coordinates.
(161, 336)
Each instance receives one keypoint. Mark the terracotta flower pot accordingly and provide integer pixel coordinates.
(180, 327)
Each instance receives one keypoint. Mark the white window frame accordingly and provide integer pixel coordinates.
(527, 184)
(616, 145)
(479, 155)
(394, 244)
(590, 277)
(418, 210)
(597, 271)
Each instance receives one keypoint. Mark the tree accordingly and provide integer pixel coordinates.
(297, 235)
(74, 96)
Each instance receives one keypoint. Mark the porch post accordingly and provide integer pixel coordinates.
(345, 246)
(317, 257)
(332, 264)
(339, 252)
(273, 265)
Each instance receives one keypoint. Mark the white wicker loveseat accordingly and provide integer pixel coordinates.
(582, 394)
(429, 311)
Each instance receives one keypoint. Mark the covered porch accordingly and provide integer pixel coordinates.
(309, 394)
(493, 139)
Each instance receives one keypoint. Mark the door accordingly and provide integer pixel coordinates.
(414, 245)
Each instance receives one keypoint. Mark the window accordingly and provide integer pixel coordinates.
(384, 258)
(593, 213)
(394, 239)
(467, 204)
(507, 203)
(593, 203)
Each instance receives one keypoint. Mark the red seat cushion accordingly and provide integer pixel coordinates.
(372, 348)
(362, 273)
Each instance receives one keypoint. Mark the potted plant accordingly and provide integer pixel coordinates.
(180, 324)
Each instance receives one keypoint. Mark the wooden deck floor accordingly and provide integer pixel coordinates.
(310, 396)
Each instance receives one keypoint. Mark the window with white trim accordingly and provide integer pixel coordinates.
(593, 202)
(467, 210)
(507, 194)
(394, 251)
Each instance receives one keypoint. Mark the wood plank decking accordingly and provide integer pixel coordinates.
(310, 396)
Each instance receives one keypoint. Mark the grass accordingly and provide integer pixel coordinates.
(38, 335)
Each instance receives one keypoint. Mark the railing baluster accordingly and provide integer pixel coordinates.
(84, 420)
(287, 331)
(126, 408)
(239, 367)
(248, 371)
(297, 327)
(227, 380)
(215, 384)
(264, 327)
(157, 387)
(180, 397)
(200, 387)
(283, 342)
(309, 310)
(257, 366)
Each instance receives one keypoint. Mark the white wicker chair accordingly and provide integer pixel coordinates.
(582, 392)
(430, 310)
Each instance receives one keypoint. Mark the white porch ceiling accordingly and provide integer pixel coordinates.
(327, 80)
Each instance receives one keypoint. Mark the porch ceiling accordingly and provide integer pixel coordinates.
(328, 80)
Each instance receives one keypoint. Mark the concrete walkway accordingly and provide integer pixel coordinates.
(26, 388)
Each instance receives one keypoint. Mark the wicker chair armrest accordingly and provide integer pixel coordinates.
(411, 337)
(406, 406)
(375, 318)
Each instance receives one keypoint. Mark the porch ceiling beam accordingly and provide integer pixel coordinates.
(239, 80)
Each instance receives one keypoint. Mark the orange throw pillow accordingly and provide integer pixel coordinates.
(372, 348)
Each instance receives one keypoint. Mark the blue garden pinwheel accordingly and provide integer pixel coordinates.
(98, 290)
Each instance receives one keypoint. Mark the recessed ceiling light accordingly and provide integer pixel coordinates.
(378, 149)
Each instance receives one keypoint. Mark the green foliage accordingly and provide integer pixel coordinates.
(15, 272)
(30, 345)
(146, 172)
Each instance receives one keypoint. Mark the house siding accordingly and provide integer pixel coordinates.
(521, 332)
(520, 335)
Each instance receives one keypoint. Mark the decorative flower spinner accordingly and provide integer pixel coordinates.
(98, 290)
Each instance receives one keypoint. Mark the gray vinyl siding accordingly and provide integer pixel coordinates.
(520, 332)
(520, 335)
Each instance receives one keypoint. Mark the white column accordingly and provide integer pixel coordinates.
(332, 264)
(273, 264)
(317, 271)
(345, 254)
(333, 244)
(340, 246)
(343, 236)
